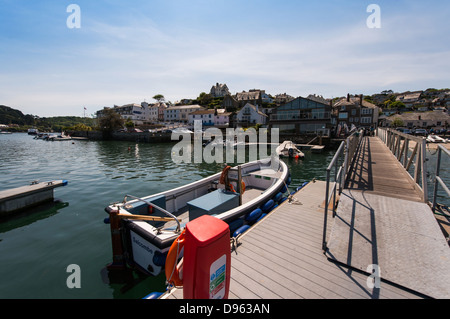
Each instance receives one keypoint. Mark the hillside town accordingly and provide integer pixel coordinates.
(311, 115)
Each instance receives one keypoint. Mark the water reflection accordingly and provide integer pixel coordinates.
(31, 215)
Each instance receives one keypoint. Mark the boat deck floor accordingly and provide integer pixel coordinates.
(183, 213)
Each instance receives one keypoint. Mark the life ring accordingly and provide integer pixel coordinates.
(224, 177)
(172, 271)
(242, 187)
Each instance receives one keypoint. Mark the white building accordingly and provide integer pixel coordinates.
(133, 112)
(250, 115)
(180, 113)
(218, 118)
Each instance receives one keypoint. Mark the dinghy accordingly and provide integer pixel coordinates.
(143, 229)
(288, 149)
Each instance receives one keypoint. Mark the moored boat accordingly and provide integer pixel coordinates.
(432, 138)
(143, 229)
(288, 149)
(33, 131)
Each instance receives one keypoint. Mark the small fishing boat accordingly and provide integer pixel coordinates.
(33, 131)
(60, 137)
(143, 229)
(288, 149)
(435, 139)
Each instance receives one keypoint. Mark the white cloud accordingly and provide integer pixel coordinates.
(134, 61)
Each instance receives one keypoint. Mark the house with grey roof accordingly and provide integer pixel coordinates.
(435, 119)
(219, 90)
(250, 115)
(354, 110)
(303, 116)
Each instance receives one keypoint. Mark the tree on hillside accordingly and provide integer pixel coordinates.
(159, 97)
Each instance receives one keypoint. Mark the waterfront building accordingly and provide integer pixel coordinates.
(432, 119)
(250, 115)
(211, 117)
(180, 113)
(354, 110)
(302, 116)
(136, 113)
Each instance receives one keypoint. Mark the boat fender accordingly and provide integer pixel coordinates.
(106, 220)
(153, 295)
(173, 273)
(262, 216)
(235, 224)
(278, 197)
(65, 182)
(293, 192)
(300, 187)
(267, 206)
(274, 206)
(282, 200)
(254, 215)
(284, 189)
(289, 180)
(241, 230)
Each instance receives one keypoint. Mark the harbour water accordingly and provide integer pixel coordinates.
(37, 247)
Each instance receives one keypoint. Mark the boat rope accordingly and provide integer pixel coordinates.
(234, 242)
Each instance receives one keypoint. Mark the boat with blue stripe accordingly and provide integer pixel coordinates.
(143, 229)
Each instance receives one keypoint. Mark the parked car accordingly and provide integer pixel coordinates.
(421, 132)
(404, 130)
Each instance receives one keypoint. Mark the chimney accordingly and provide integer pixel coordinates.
(360, 99)
(348, 97)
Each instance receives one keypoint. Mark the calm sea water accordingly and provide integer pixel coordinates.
(37, 247)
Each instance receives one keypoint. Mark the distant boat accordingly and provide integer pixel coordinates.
(288, 149)
(148, 226)
(5, 132)
(60, 137)
(33, 131)
(435, 139)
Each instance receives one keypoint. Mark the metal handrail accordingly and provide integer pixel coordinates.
(155, 206)
(345, 152)
(393, 138)
(438, 180)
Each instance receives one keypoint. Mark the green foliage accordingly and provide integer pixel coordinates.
(110, 120)
(9, 115)
(129, 124)
(398, 122)
(159, 97)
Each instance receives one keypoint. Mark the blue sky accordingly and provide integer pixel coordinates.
(129, 51)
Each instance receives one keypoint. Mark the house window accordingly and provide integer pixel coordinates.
(366, 120)
(353, 112)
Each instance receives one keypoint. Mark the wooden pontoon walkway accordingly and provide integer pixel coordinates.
(281, 257)
(381, 219)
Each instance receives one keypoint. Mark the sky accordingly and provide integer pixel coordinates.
(128, 51)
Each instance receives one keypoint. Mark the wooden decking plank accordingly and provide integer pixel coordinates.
(271, 278)
(319, 269)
